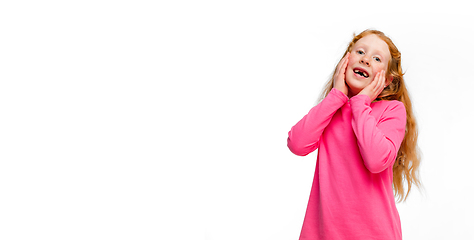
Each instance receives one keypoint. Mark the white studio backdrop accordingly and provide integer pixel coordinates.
(168, 120)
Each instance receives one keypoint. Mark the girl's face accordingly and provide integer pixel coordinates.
(369, 56)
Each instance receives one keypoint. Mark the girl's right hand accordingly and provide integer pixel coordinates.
(340, 76)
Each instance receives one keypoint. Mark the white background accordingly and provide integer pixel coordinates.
(168, 120)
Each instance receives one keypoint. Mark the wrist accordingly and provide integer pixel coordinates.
(341, 89)
(341, 95)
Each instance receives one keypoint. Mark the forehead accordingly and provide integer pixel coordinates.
(374, 43)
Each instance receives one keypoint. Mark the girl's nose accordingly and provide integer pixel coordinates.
(364, 61)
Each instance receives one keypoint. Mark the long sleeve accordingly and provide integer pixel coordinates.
(378, 141)
(303, 138)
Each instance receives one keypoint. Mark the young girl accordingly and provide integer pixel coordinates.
(366, 134)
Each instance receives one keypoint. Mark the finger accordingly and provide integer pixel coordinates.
(344, 66)
(382, 79)
(337, 76)
(346, 62)
(341, 64)
(375, 82)
(380, 82)
(374, 85)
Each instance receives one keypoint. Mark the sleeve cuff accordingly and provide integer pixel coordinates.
(340, 95)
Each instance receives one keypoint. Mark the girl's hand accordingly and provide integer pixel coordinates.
(375, 87)
(340, 76)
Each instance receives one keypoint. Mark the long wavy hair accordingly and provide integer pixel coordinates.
(406, 166)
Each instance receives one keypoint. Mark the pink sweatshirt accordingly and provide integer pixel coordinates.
(358, 141)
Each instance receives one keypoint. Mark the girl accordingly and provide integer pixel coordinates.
(366, 134)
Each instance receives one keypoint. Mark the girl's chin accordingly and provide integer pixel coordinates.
(357, 83)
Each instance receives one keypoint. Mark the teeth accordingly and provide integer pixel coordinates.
(363, 73)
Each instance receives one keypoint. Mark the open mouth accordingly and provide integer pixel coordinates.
(361, 72)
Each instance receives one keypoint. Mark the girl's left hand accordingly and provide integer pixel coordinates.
(375, 87)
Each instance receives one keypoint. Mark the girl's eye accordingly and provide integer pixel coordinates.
(377, 59)
(360, 52)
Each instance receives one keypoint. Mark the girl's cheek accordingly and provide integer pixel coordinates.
(352, 61)
(379, 69)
